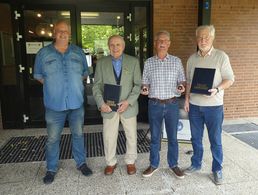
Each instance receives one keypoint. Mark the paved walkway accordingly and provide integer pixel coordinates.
(240, 172)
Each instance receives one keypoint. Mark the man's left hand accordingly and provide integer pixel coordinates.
(122, 106)
(180, 88)
(213, 92)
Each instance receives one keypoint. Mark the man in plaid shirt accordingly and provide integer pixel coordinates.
(163, 81)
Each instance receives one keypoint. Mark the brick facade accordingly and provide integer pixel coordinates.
(179, 17)
(236, 33)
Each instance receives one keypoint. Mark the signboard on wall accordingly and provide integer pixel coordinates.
(33, 47)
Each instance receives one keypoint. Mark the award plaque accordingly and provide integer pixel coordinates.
(202, 80)
(112, 95)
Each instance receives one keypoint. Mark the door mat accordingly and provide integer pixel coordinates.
(32, 148)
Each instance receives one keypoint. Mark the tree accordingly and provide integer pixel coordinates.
(96, 36)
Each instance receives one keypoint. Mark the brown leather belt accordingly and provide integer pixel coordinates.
(165, 101)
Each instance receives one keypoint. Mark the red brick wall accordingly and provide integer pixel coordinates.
(180, 18)
(236, 24)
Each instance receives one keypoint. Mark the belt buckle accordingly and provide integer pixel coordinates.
(173, 99)
(170, 100)
(162, 101)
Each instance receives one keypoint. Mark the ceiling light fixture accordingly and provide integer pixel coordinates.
(89, 14)
(65, 13)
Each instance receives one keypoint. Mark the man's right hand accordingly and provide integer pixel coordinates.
(186, 106)
(105, 108)
(41, 81)
(145, 91)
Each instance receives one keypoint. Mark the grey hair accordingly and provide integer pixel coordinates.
(162, 32)
(62, 21)
(209, 27)
(116, 36)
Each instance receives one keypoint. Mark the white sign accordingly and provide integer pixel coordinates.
(183, 130)
(33, 47)
(46, 43)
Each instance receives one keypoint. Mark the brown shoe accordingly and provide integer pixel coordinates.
(178, 173)
(149, 171)
(109, 170)
(131, 169)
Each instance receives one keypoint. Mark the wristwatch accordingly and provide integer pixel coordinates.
(217, 89)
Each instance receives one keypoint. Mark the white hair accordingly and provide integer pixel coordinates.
(209, 27)
(162, 32)
(116, 36)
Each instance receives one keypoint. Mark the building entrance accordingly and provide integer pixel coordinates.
(90, 26)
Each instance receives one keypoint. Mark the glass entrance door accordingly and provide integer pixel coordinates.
(96, 28)
(9, 79)
(91, 27)
(129, 21)
(38, 32)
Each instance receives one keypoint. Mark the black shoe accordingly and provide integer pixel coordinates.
(49, 177)
(85, 170)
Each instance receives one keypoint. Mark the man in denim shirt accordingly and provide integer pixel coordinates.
(61, 67)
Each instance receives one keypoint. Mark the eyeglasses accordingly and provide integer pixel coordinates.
(203, 38)
(62, 32)
(162, 41)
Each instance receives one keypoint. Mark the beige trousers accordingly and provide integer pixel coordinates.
(110, 134)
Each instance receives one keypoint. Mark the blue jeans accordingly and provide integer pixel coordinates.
(55, 124)
(212, 117)
(170, 113)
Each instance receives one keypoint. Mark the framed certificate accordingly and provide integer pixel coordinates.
(112, 95)
(202, 80)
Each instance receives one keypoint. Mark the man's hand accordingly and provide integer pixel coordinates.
(122, 106)
(41, 81)
(145, 91)
(105, 108)
(213, 92)
(180, 88)
(186, 106)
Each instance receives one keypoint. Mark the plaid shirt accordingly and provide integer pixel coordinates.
(163, 76)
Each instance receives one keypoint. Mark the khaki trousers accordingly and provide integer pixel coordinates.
(110, 134)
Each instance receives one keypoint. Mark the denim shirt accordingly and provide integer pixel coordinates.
(63, 76)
